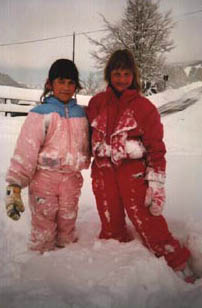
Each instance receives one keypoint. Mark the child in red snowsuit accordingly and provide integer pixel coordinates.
(128, 171)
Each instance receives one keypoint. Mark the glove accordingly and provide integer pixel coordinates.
(14, 204)
(155, 197)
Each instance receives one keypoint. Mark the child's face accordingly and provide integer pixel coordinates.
(121, 79)
(63, 89)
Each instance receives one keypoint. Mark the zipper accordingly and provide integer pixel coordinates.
(69, 128)
(66, 112)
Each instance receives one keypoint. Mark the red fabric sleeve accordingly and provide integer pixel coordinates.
(154, 144)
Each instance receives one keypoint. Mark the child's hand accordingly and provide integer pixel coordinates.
(155, 197)
(14, 204)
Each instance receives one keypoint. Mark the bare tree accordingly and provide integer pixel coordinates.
(145, 31)
(91, 84)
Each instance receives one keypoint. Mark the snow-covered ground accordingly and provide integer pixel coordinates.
(107, 274)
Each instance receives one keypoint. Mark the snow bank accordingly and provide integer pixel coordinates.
(97, 273)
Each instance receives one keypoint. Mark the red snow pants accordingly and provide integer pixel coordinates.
(53, 201)
(122, 189)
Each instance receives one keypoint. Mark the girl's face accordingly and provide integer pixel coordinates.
(63, 89)
(121, 79)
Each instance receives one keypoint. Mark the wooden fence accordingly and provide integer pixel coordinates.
(15, 101)
(18, 100)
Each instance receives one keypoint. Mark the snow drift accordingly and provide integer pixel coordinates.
(108, 274)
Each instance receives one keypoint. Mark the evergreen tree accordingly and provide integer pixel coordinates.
(145, 31)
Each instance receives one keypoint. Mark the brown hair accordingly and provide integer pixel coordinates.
(61, 68)
(123, 59)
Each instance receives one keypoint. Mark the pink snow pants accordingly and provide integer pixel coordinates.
(53, 201)
(123, 188)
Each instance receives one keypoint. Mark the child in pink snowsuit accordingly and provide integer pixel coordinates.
(51, 150)
(128, 171)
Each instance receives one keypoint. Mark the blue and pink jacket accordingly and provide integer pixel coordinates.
(54, 136)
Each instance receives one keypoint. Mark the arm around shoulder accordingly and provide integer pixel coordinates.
(92, 109)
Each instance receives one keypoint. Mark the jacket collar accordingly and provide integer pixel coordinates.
(127, 119)
(54, 101)
(126, 96)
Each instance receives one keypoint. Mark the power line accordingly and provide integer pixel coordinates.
(188, 14)
(35, 41)
(89, 32)
(81, 33)
(49, 38)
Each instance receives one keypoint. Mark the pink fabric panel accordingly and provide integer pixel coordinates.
(24, 161)
(64, 147)
(53, 199)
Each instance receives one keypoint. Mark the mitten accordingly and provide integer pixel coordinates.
(155, 197)
(14, 204)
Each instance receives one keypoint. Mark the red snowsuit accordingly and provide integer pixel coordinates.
(128, 151)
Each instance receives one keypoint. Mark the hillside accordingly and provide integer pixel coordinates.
(181, 74)
(6, 80)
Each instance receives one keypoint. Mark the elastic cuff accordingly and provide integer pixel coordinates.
(16, 188)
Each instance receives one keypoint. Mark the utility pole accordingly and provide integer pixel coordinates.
(165, 78)
(73, 56)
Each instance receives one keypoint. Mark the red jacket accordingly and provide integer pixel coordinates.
(128, 127)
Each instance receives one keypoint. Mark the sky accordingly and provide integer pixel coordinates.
(22, 21)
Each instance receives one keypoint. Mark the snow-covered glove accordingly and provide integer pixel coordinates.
(155, 197)
(14, 204)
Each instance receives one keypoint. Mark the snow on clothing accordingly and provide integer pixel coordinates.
(53, 137)
(128, 152)
(51, 150)
(53, 200)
